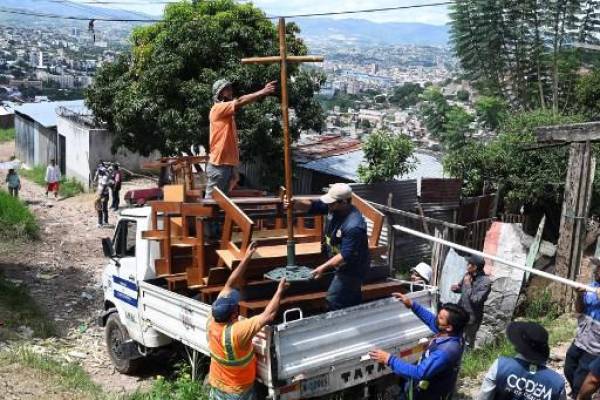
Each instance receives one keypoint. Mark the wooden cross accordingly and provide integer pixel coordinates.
(577, 197)
(283, 59)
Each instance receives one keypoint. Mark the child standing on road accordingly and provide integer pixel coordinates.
(14, 183)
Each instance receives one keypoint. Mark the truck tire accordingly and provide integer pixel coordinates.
(115, 334)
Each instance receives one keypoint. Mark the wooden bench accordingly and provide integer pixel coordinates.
(317, 301)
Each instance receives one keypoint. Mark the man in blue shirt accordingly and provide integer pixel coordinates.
(586, 345)
(434, 376)
(346, 245)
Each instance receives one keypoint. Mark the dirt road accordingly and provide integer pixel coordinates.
(62, 271)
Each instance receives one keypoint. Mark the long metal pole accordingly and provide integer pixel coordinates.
(291, 248)
(534, 271)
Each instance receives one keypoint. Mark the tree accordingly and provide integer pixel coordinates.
(457, 128)
(365, 124)
(434, 109)
(387, 156)
(588, 93)
(407, 95)
(158, 97)
(521, 50)
(528, 176)
(491, 111)
(462, 95)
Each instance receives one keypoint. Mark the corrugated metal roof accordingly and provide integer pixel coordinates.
(315, 147)
(45, 113)
(346, 166)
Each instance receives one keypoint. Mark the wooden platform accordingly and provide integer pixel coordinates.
(316, 302)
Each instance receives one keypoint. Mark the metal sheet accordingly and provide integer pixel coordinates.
(454, 269)
(404, 193)
(329, 339)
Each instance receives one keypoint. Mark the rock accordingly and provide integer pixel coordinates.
(77, 354)
(46, 277)
(25, 332)
(87, 296)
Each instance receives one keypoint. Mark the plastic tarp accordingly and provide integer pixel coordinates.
(454, 269)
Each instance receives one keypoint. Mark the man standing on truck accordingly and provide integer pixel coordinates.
(474, 288)
(233, 364)
(224, 156)
(434, 376)
(586, 345)
(346, 242)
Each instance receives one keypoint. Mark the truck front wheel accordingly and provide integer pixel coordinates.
(115, 334)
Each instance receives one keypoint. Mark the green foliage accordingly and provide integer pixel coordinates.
(182, 388)
(159, 96)
(477, 361)
(387, 156)
(17, 308)
(491, 111)
(67, 188)
(6, 135)
(521, 50)
(16, 220)
(365, 124)
(434, 109)
(406, 96)
(588, 93)
(528, 176)
(462, 95)
(457, 128)
(67, 375)
(343, 101)
(542, 306)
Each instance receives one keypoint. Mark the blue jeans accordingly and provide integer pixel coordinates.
(344, 291)
(216, 394)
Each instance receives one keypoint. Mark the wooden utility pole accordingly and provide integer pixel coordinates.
(283, 59)
(577, 199)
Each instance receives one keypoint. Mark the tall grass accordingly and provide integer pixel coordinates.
(16, 220)
(67, 188)
(6, 135)
(67, 375)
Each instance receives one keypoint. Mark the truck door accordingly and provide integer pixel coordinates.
(124, 283)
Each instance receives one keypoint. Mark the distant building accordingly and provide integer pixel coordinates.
(83, 145)
(35, 132)
(32, 84)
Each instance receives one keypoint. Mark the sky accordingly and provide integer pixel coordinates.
(431, 15)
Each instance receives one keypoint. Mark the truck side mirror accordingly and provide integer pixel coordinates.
(109, 250)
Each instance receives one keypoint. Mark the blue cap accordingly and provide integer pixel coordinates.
(224, 306)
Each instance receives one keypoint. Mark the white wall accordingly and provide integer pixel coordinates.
(77, 150)
(85, 147)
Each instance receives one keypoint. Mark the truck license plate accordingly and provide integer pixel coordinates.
(314, 386)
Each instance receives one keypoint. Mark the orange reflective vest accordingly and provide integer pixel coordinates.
(233, 365)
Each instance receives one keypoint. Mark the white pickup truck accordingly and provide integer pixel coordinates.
(297, 359)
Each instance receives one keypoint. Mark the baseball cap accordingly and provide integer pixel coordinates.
(337, 191)
(218, 87)
(224, 306)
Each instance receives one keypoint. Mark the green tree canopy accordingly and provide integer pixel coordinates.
(491, 111)
(407, 95)
(159, 96)
(434, 109)
(462, 95)
(387, 156)
(522, 50)
(527, 175)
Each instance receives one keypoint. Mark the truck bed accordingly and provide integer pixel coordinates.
(312, 356)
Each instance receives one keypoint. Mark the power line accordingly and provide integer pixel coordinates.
(307, 15)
